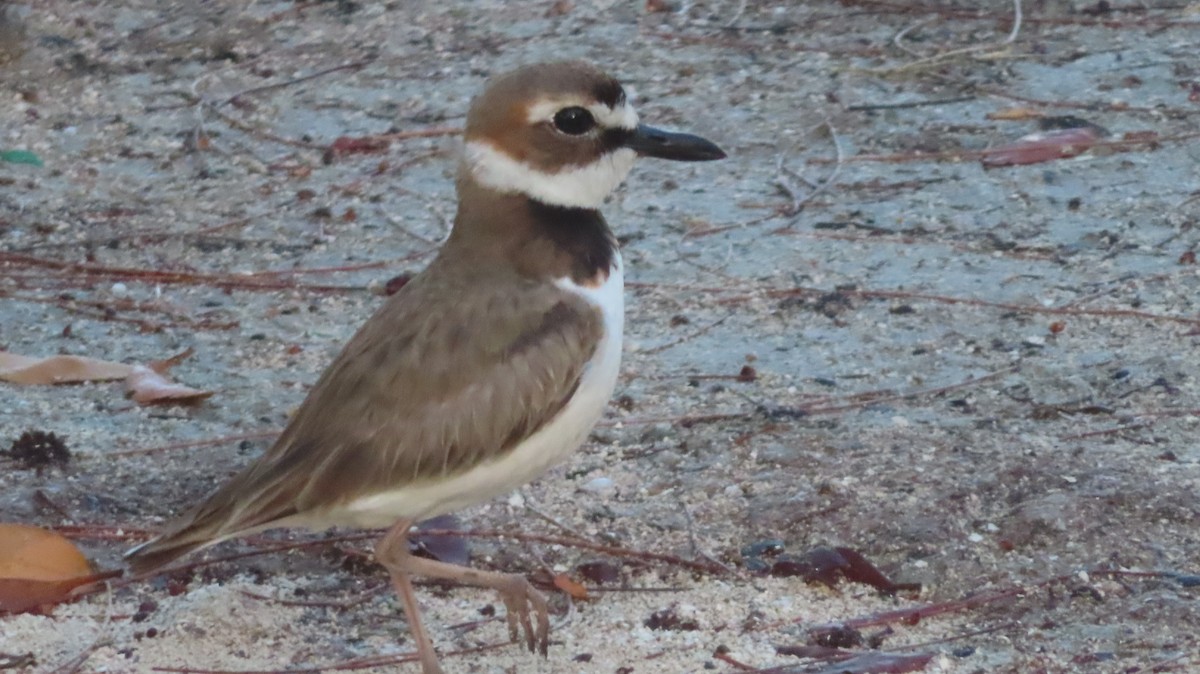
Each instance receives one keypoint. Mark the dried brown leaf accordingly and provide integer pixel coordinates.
(559, 8)
(344, 145)
(161, 366)
(37, 554)
(147, 387)
(20, 369)
(1015, 114)
(18, 595)
(600, 573)
(1042, 147)
(38, 567)
(442, 547)
(575, 589)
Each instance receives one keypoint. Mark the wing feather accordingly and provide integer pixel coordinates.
(426, 389)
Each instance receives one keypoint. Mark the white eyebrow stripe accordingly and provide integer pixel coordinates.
(623, 116)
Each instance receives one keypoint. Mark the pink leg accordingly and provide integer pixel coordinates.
(386, 549)
(519, 597)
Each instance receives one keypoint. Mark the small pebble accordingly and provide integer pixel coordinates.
(597, 485)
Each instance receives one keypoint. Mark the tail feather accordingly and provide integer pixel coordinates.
(205, 525)
(251, 501)
(159, 552)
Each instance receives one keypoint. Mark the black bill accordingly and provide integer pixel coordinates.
(651, 142)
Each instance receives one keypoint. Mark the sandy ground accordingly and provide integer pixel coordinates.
(982, 380)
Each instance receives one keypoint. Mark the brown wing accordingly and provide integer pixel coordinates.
(439, 379)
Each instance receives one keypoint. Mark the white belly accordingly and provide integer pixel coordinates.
(533, 456)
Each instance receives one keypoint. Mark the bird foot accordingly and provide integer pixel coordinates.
(520, 599)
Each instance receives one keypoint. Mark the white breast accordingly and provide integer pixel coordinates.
(537, 453)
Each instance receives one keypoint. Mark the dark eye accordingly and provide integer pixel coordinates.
(574, 121)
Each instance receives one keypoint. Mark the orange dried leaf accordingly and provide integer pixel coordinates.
(19, 595)
(148, 387)
(1042, 147)
(574, 589)
(58, 369)
(361, 145)
(38, 567)
(1015, 114)
(1140, 136)
(161, 366)
(37, 554)
(559, 8)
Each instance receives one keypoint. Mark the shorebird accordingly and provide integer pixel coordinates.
(485, 369)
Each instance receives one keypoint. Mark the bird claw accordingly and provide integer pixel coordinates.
(520, 598)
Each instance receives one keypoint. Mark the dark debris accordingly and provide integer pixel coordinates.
(38, 450)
